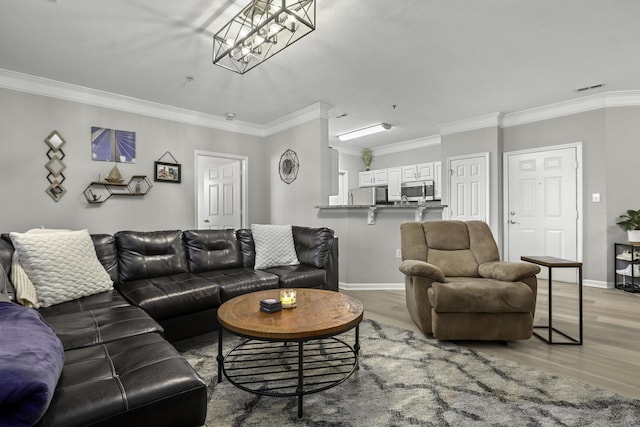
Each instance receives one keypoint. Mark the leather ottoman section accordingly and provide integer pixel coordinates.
(239, 281)
(135, 381)
(300, 276)
(86, 328)
(108, 299)
(168, 296)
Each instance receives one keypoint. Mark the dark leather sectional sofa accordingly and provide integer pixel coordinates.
(119, 367)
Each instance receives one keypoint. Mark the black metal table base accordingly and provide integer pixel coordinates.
(284, 369)
(572, 340)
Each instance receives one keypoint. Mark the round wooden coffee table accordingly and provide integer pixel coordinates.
(265, 362)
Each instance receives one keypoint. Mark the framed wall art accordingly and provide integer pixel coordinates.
(167, 172)
(110, 145)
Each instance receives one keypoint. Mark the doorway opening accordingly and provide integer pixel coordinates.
(221, 190)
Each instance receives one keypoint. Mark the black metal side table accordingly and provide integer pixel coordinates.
(551, 263)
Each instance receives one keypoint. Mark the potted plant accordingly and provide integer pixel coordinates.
(631, 224)
(367, 157)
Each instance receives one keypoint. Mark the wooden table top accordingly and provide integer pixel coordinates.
(318, 313)
(549, 261)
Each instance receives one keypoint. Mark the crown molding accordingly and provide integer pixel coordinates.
(69, 92)
(319, 110)
(412, 144)
(473, 123)
(626, 98)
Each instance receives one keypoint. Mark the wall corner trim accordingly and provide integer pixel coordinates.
(70, 92)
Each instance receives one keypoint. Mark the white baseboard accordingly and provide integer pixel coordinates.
(597, 284)
(371, 286)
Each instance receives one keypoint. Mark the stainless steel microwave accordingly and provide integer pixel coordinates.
(417, 191)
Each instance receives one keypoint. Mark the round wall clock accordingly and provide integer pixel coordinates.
(289, 166)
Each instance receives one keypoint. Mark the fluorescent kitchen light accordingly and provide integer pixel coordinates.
(381, 127)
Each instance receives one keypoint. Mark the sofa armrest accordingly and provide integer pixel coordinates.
(507, 271)
(412, 267)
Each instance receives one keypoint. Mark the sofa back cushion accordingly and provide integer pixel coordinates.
(312, 244)
(148, 254)
(456, 247)
(107, 253)
(209, 250)
(247, 247)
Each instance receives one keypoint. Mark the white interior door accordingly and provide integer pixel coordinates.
(468, 188)
(219, 193)
(542, 206)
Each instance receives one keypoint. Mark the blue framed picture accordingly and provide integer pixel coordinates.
(110, 145)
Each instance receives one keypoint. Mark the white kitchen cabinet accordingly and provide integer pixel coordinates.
(410, 173)
(425, 171)
(365, 179)
(380, 177)
(437, 180)
(373, 178)
(394, 178)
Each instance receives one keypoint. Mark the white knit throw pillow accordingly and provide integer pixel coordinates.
(274, 246)
(62, 266)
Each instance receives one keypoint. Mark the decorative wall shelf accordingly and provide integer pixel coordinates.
(101, 191)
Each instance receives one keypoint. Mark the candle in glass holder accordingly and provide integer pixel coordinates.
(288, 298)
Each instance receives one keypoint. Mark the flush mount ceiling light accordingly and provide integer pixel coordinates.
(260, 30)
(364, 131)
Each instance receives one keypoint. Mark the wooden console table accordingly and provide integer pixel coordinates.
(551, 263)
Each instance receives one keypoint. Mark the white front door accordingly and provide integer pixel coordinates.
(219, 193)
(468, 187)
(542, 206)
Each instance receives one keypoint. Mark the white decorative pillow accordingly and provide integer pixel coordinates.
(63, 266)
(274, 246)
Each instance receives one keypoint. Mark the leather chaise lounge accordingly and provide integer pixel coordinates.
(119, 366)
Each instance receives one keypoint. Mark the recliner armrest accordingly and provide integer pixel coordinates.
(412, 267)
(507, 271)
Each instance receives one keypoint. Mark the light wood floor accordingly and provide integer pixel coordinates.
(609, 357)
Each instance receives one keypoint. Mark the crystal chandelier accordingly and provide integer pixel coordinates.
(260, 30)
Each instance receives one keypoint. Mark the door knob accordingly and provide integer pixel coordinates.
(513, 221)
(206, 220)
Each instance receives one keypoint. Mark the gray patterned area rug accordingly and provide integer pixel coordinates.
(408, 379)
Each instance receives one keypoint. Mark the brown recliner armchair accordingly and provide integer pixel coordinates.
(457, 288)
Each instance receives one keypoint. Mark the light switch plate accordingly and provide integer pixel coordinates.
(595, 197)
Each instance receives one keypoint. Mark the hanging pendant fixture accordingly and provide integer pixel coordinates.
(260, 30)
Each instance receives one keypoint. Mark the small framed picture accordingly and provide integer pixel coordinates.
(167, 172)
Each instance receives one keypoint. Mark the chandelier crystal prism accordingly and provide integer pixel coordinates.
(260, 30)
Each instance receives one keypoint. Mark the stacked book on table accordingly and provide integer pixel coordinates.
(270, 305)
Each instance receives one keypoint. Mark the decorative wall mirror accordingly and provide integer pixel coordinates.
(55, 166)
(289, 166)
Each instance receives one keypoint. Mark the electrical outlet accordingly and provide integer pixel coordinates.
(595, 197)
(398, 254)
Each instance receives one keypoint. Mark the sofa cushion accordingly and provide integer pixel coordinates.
(31, 360)
(140, 380)
(172, 295)
(274, 245)
(300, 276)
(312, 244)
(481, 296)
(63, 266)
(86, 328)
(144, 255)
(105, 246)
(106, 299)
(211, 250)
(239, 281)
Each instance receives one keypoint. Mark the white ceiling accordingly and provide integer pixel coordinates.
(439, 61)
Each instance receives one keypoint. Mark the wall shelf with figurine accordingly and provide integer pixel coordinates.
(101, 191)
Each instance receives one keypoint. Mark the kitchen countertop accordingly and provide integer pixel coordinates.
(408, 206)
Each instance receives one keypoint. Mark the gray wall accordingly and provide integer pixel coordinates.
(27, 119)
